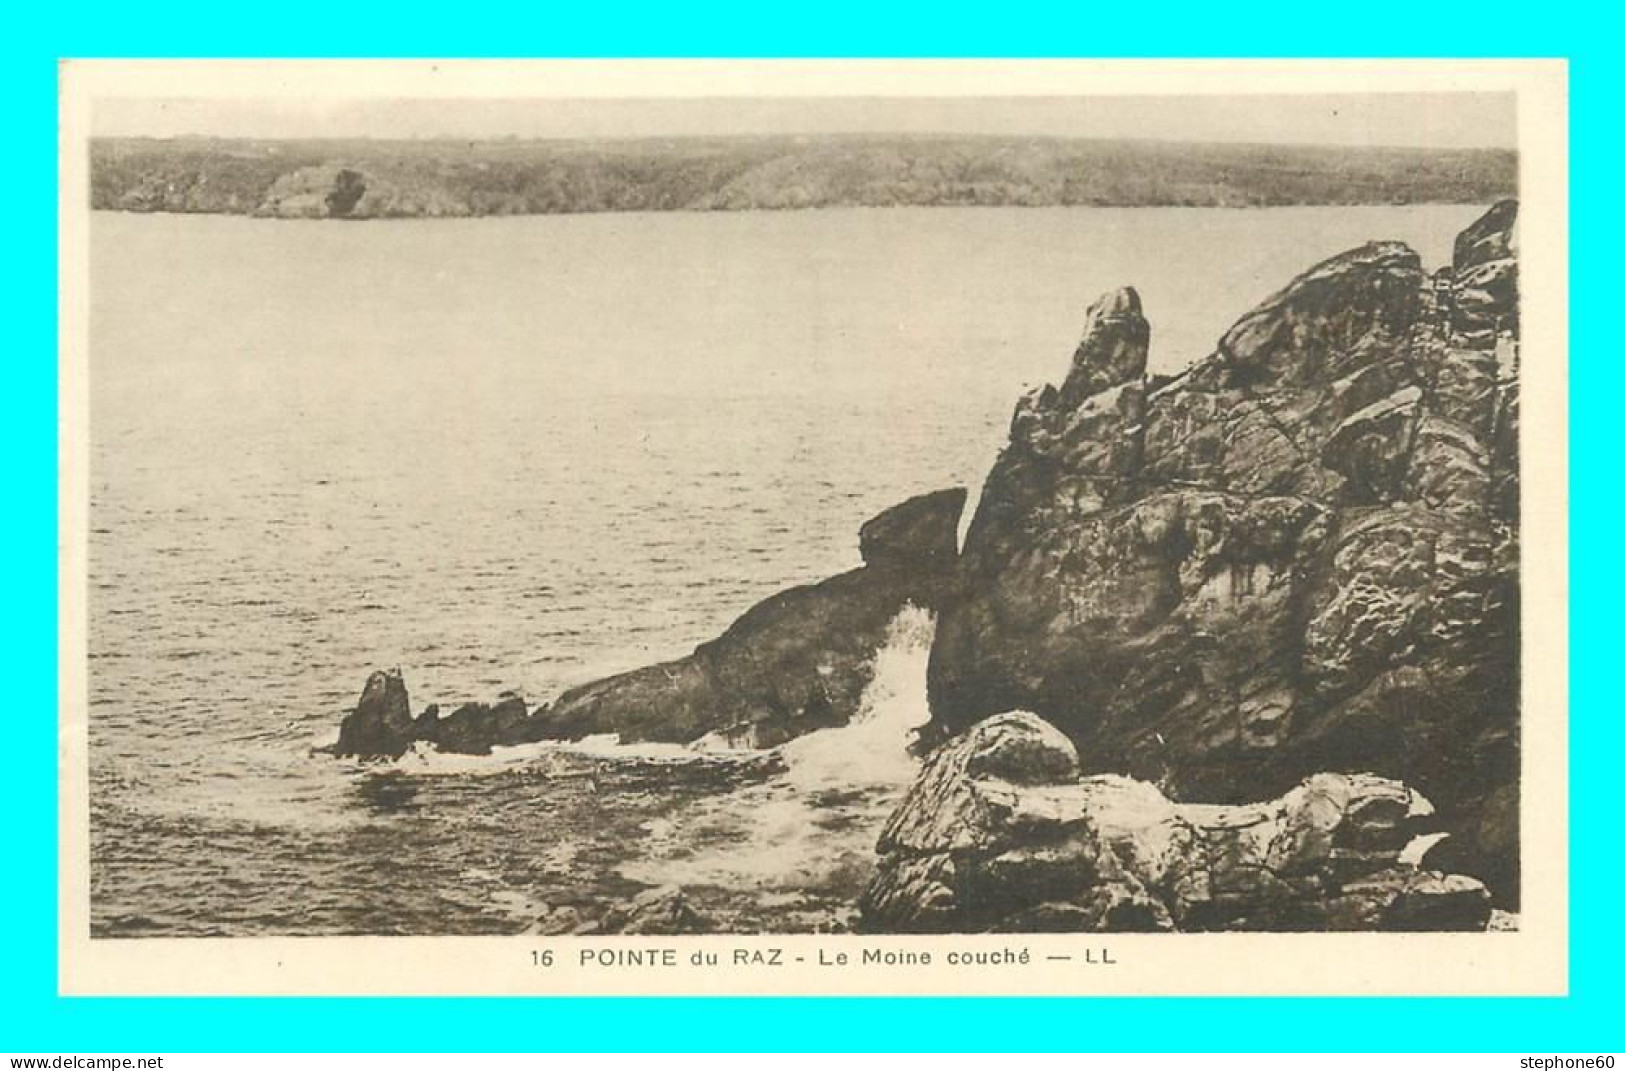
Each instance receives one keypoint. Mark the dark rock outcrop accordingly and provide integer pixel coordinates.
(381, 723)
(796, 662)
(1298, 556)
(1000, 832)
(920, 536)
(473, 727)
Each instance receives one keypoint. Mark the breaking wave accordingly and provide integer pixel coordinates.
(808, 833)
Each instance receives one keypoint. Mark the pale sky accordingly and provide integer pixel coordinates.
(1441, 120)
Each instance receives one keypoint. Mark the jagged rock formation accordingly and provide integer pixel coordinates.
(1300, 555)
(795, 662)
(1001, 833)
(382, 722)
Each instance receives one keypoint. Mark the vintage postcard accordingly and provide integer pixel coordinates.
(861, 527)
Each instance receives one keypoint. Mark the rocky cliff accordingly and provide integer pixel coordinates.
(1000, 832)
(796, 662)
(1298, 556)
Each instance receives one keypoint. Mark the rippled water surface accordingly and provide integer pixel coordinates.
(524, 453)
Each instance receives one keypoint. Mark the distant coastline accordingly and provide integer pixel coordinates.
(377, 179)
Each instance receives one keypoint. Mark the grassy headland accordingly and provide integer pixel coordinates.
(360, 179)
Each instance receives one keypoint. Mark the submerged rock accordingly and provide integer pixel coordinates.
(796, 662)
(1000, 832)
(663, 911)
(1298, 556)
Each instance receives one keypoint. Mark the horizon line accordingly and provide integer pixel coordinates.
(443, 138)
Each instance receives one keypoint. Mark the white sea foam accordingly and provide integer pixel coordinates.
(325, 739)
(608, 746)
(424, 759)
(812, 828)
(873, 748)
(1413, 852)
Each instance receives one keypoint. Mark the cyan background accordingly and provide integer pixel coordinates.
(32, 1018)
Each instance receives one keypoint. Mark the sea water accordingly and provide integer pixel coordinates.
(521, 454)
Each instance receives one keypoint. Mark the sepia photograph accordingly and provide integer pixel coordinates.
(890, 515)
